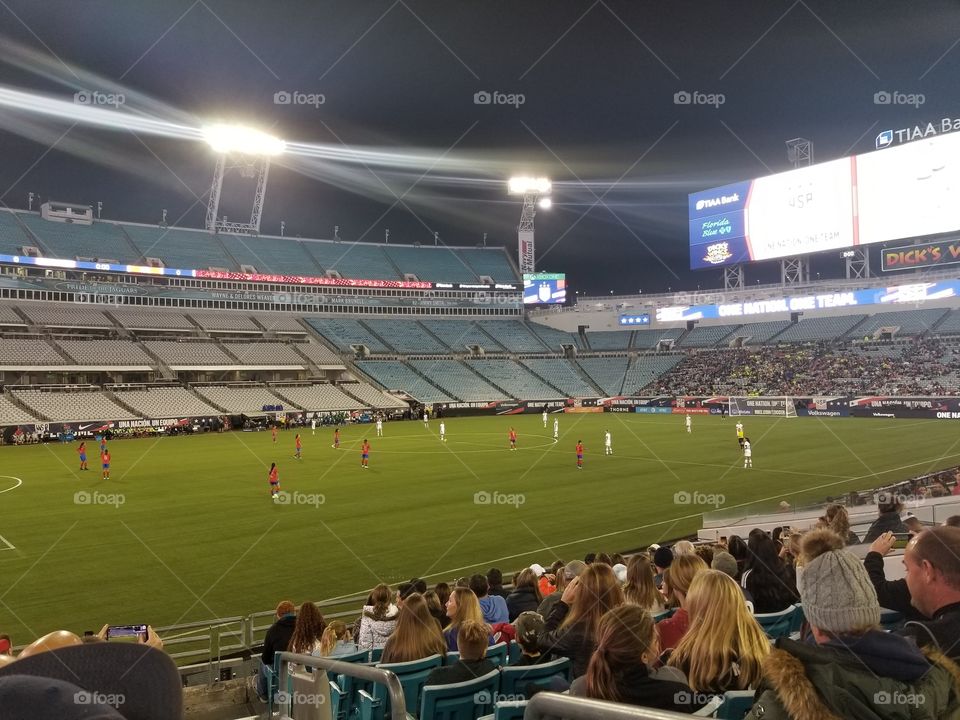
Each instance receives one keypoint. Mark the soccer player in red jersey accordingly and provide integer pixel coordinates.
(105, 463)
(82, 451)
(274, 478)
(579, 455)
(336, 438)
(365, 454)
(513, 439)
(299, 446)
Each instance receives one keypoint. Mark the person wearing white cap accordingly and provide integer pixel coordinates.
(851, 669)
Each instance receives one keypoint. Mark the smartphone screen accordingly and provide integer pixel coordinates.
(133, 632)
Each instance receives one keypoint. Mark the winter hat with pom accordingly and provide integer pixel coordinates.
(835, 590)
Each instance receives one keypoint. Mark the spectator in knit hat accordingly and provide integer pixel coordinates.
(529, 627)
(851, 668)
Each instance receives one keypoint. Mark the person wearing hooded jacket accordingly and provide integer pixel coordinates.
(850, 668)
(378, 621)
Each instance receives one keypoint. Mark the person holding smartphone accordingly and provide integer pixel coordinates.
(892, 594)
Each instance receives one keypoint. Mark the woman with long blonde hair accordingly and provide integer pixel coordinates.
(640, 588)
(620, 668)
(676, 583)
(462, 605)
(571, 629)
(724, 647)
(416, 636)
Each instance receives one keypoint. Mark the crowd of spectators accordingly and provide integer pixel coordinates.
(928, 366)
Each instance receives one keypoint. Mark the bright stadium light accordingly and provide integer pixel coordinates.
(522, 185)
(244, 140)
(545, 203)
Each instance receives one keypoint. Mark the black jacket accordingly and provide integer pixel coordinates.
(277, 638)
(888, 521)
(460, 671)
(941, 632)
(665, 689)
(521, 600)
(892, 594)
(571, 642)
(497, 590)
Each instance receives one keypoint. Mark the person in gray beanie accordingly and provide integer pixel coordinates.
(849, 667)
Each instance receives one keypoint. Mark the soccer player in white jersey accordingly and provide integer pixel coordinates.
(689, 423)
(544, 418)
(443, 431)
(426, 418)
(747, 454)
(607, 444)
(313, 426)
(379, 427)
(556, 430)
(740, 433)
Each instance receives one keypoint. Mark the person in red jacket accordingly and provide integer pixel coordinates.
(579, 454)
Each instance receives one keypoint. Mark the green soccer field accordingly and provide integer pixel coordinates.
(185, 528)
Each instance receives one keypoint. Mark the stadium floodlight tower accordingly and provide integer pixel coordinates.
(533, 189)
(247, 151)
(794, 270)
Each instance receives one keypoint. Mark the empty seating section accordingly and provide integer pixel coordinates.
(515, 379)
(280, 324)
(553, 338)
(151, 319)
(703, 336)
(264, 353)
(909, 322)
(71, 406)
(609, 340)
(106, 352)
(353, 260)
(239, 399)
(317, 397)
(65, 316)
(319, 354)
(188, 354)
(224, 320)
(648, 339)
(372, 396)
(407, 336)
(343, 333)
(165, 402)
(180, 248)
(69, 240)
(513, 335)
(950, 324)
(23, 352)
(560, 373)
(760, 332)
(395, 375)
(607, 373)
(437, 264)
(458, 380)
(12, 235)
(9, 317)
(282, 256)
(491, 262)
(461, 334)
(819, 328)
(646, 368)
(10, 414)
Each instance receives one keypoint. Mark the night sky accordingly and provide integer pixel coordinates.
(597, 79)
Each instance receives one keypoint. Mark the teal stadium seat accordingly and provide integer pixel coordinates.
(778, 624)
(374, 704)
(460, 701)
(514, 680)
